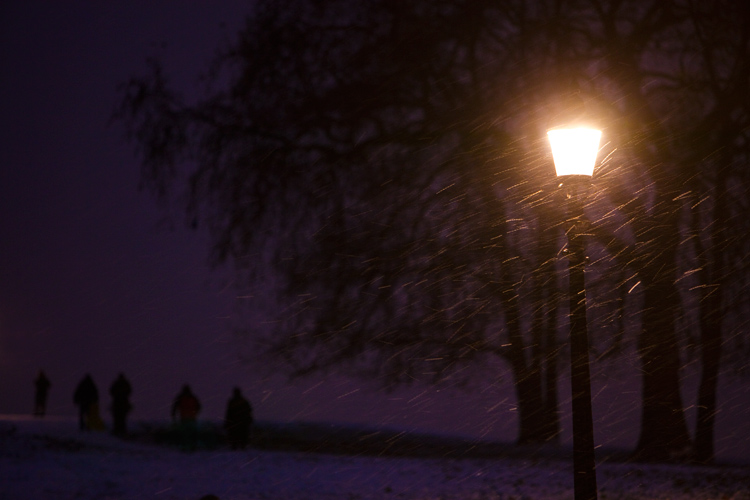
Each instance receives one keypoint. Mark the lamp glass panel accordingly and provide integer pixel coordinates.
(574, 150)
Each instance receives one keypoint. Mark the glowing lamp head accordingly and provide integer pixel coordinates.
(574, 150)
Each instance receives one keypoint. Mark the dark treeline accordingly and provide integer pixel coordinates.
(388, 161)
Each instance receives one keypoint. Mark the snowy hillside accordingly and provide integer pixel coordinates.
(51, 459)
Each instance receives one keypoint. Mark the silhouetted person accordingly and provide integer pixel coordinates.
(186, 405)
(186, 408)
(120, 392)
(41, 386)
(86, 398)
(238, 419)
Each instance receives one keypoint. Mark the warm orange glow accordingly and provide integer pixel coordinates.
(574, 150)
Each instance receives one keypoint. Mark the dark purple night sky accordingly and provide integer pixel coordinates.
(92, 279)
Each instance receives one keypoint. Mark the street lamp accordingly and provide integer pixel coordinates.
(574, 151)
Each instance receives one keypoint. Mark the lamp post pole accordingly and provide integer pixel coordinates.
(584, 473)
(574, 152)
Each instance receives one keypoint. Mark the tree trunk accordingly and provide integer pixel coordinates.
(527, 379)
(547, 295)
(527, 360)
(538, 416)
(530, 408)
(664, 435)
(551, 423)
(710, 362)
(543, 359)
(710, 332)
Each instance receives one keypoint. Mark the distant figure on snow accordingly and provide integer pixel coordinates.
(238, 419)
(86, 397)
(41, 385)
(186, 407)
(120, 392)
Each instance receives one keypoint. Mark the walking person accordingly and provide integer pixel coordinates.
(86, 397)
(120, 392)
(238, 419)
(41, 386)
(185, 409)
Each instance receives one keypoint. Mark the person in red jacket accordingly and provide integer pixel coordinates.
(185, 411)
(186, 406)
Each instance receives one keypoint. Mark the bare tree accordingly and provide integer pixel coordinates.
(389, 159)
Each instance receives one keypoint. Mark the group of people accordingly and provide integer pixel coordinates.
(86, 398)
(238, 418)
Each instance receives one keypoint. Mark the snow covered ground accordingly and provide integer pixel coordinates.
(51, 459)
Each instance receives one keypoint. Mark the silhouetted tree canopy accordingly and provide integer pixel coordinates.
(389, 159)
